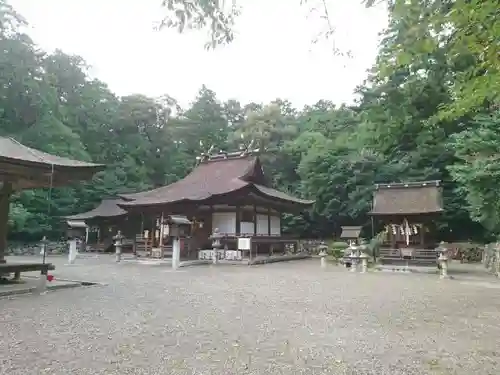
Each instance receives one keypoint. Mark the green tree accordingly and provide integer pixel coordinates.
(477, 169)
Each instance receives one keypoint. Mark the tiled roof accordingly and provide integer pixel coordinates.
(212, 178)
(407, 198)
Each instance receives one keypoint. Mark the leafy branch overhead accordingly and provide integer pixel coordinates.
(216, 16)
(467, 31)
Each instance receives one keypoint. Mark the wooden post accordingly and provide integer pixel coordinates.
(5, 193)
(98, 236)
(160, 240)
(393, 236)
(255, 229)
(254, 220)
(268, 221)
(238, 220)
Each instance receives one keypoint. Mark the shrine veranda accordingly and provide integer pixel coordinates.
(278, 318)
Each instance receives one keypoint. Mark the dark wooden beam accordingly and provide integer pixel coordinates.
(238, 220)
(254, 220)
(5, 193)
(269, 221)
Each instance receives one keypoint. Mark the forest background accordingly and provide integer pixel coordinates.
(427, 111)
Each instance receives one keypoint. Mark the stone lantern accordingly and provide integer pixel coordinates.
(363, 256)
(348, 255)
(322, 253)
(118, 245)
(357, 257)
(443, 260)
(216, 244)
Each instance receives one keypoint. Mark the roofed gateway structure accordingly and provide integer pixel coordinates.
(407, 209)
(226, 193)
(22, 167)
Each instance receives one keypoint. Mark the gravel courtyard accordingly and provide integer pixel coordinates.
(283, 318)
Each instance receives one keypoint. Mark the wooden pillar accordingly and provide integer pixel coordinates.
(256, 252)
(254, 220)
(160, 240)
(268, 221)
(98, 236)
(393, 237)
(422, 235)
(238, 221)
(5, 193)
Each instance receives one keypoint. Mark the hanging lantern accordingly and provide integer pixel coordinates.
(402, 230)
(415, 229)
(394, 229)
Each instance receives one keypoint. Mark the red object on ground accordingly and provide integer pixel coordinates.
(50, 277)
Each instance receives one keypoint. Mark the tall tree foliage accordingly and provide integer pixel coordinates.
(404, 127)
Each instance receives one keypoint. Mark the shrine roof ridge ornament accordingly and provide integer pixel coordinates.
(245, 150)
(223, 155)
(413, 184)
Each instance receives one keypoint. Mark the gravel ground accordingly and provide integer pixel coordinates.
(283, 318)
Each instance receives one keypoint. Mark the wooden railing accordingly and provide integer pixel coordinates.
(426, 256)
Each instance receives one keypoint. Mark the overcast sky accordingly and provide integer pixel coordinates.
(271, 57)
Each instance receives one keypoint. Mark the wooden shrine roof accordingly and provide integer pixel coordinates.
(26, 167)
(351, 232)
(106, 209)
(411, 198)
(213, 178)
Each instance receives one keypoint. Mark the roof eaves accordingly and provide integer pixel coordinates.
(276, 194)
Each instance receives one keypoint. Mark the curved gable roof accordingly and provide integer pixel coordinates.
(210, 178)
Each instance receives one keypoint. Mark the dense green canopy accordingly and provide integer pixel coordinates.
(400, 129)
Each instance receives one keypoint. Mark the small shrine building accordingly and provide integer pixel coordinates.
(407, 211)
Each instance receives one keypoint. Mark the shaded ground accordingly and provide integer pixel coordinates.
(282, 318)
(30, 285)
